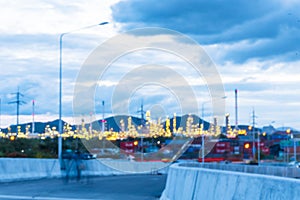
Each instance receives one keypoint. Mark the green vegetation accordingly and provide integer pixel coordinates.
(32, 148)
(48, 148)
(35, 148)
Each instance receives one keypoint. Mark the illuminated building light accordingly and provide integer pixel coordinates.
(246, 145)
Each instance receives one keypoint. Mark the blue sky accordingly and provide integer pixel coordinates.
(254, 44)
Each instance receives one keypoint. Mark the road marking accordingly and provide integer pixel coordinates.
(39, 198)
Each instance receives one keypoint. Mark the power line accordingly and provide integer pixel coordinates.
(18, 102)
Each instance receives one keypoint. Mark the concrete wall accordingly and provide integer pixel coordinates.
(186, 183)
(26, 168)
(282, 171)
(15, 169)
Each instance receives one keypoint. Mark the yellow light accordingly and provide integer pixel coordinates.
(148, 113)
(288, 131)
(12, 138)
(247, 146)
(135, 143)
(242, 132)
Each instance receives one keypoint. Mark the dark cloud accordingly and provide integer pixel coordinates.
(275, 23)
(193, 16)
(284, 47)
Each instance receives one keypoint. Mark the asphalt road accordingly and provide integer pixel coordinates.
(131, 187)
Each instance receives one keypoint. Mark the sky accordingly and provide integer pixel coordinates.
(253, 44)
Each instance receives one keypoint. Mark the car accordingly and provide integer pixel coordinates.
(294, 164)
(87, 156)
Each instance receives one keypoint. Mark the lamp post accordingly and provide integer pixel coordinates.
(33, 113)
(295, 148)
(103, 120)
(253, 135)
(60, 85)
(288, 132)
(0, 113)
(258, 147)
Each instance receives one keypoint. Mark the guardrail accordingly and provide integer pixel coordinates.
(282, 171)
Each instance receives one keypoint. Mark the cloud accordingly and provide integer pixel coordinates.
(29, 49)
(254, 44)
(194, 16)
(51, 16)
(264, 27)
(270, 87)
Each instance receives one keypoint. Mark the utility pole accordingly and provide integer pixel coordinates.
(253, 133)
(18, 102)
(103, 120)
(33, 113)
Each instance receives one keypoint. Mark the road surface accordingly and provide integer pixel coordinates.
(133, 187)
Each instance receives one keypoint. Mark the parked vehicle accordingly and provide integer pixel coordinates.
(294, 164)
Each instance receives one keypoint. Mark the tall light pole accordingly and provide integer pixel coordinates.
(258, 147)
(295, 148)
(253, 134)
(33, 113)
(0, 113)
(103, 120)
(60, 85)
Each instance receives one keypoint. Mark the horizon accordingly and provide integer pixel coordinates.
(70, 120)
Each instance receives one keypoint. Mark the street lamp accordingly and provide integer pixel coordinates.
(288, 132)
(258, 147)
(295, 148)
(60, 85)
(253, 135)
(0, 113)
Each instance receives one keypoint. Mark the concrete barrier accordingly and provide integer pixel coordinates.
(137, 167)
(25, 168)
(16, 169)
(185, 183)
(282, 171)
